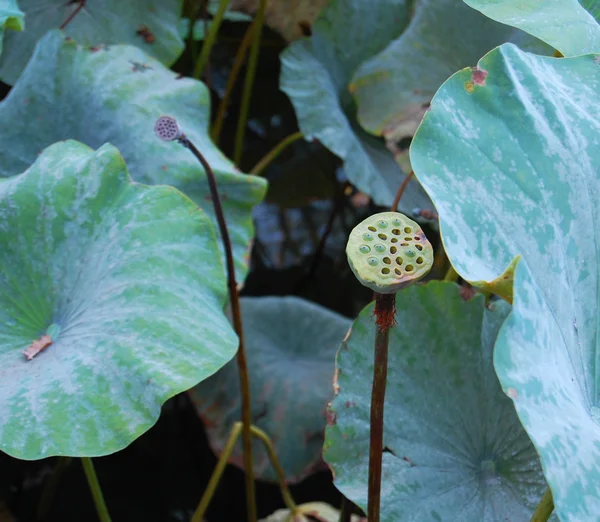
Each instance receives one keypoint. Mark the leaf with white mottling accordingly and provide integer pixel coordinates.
(454, 448)
(513, 167)
(563, 24)
(115, 95)
(315, 75)
(291, 346)
(98, 22)
(394, 88)
(126, 280)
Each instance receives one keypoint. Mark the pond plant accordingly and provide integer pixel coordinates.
(144, 274)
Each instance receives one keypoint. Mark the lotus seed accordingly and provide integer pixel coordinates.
(365, 249)
(396, 222)
(373, 261)
(385, 271)
(382, 224)
(410, 253)
(379, 247)
(368, 237)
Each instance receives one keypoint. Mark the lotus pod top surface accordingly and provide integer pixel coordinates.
(388, 251)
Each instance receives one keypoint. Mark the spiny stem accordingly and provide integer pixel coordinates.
(384, 309)
(237, 325)
(401, 190)
(249, 82)
(217, 473)
(50, 487)
(231, 80)
(545, 508)
(274, 152)
(209, 39)
(92, 479)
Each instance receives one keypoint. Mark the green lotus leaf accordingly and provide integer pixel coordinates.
(291, 346)
(126, 281)
(393, 89)
(115, 94)
(563, 24)
(315, 75)
(513, 168)
(454, 448)
(149, 24)
(11, 17)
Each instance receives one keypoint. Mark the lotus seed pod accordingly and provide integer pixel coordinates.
(166, 128)
(389, 251)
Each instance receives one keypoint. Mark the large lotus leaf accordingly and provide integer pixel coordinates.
(11, 17)
(513, 168)
(564, 24)
(115, 95)
(394, 88)
(149, 24)
(127, 282)
(315, 75)
(291, 346)
(454, 448)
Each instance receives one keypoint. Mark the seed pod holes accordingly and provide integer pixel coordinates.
(388, 251)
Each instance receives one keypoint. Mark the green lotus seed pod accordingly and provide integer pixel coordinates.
(401, 256)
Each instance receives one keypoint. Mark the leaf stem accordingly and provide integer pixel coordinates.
(222, 463)
(345, 510)
(217, 473)
(231, 81)
(545, 508)
(285, 490)
(274, 152)
(249, 82)
(451, 275)
(50, 487)
(73, 14)
(210, 38)
(237, 325)
(90, 473)
(384, 308)
(401, 190)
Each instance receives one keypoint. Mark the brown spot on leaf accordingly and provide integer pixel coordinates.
(331, 418)
(478, 76)
(349, 404)
(146, 34)
(37, 346)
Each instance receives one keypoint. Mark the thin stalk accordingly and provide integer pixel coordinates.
(209, 492)
(401, 190)
(240, 57)
(285, 490)
(274, 152)
(385, 311)
(345, 510)
(545, 508)
(237, 325)
(50, 488)
(249, 82)
(210, 38)
(92, 479)
(193, 45)
(73, 14)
